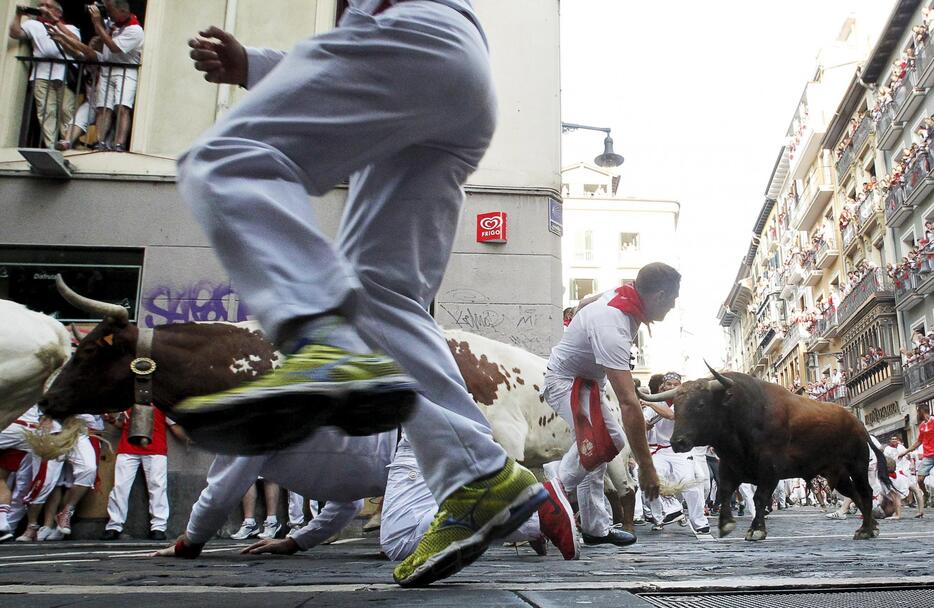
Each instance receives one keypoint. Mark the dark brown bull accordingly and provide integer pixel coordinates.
(763, 433)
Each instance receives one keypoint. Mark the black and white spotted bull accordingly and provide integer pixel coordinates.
(200, 358)
(763, 433)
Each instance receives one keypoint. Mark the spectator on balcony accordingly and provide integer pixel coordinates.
(122, 37)
(55, 102)
(86, 112)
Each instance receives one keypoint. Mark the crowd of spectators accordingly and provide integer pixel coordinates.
(99, 89)
(922, 345)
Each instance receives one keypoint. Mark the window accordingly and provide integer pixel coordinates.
(27, 276)
(583, 246)
(581, 288)
(628, 242)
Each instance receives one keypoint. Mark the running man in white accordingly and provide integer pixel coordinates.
(676, 468)
(361, 101)
(596, 348)
(344, 470)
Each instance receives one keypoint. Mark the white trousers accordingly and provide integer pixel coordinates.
(409, 508)
(364, 101)
(587, 485)
(748, 491)
(296, 509)
(47, 474)
(155, 469)
(678, 469)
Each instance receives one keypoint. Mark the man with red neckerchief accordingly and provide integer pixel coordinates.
(595, 348)
(926, 440)
(122, 39)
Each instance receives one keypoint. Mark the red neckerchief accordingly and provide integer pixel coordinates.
(131, 20)
(629, 301)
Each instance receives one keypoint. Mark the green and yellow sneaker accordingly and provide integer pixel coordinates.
(468, 520)
(319, 385)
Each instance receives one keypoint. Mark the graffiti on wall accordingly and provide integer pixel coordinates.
(201, 301)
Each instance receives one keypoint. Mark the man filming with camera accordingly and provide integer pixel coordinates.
(122, 39)
(55, 102)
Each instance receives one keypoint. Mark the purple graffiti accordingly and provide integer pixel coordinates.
(201, 301)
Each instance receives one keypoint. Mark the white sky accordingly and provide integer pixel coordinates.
(699, 96)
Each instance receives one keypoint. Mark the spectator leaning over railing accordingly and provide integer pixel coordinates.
(55, 102)
(122, 38)
(86, 112)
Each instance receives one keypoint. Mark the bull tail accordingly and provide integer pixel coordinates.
(882, 468)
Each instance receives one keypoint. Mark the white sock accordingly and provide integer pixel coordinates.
(271, 520)
(249, 521)
(4, 510)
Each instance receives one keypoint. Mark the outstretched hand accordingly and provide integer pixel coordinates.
(220, 56)
(285, 546)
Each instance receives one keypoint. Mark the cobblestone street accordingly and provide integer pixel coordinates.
(804, 551)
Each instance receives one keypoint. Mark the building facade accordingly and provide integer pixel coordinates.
(813, 307)
(607, 239)
(118, 230)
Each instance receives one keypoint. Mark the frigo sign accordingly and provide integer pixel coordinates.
(491, 227)
(879, 414)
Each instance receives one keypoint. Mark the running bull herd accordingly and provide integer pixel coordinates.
(761, 432)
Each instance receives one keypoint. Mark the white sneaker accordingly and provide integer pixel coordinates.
(55, 534)
(270, 530)
(293, 529)
(43, 533)
(247, 530)
(5, 534)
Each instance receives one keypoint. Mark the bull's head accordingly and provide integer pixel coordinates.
(697, 405)
(97, 378)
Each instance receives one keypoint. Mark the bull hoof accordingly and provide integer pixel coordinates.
(755, 535)
(863, 534)
(726, 527)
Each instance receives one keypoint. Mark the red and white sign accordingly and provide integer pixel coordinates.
(491, 227)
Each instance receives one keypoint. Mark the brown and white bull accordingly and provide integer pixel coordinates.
(199, 358)
(763, 433)
(32, 347)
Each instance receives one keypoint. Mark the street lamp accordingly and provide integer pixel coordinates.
(609, 158)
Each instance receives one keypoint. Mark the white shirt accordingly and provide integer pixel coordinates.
(44, 46)
(130, 40)
(598, 337)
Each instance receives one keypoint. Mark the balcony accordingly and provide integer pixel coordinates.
(849, 237)
(833, 395)
(805, 151)
(795, 273)
(906, 291)
(896, 211)
(925, 277)
(872, 287)
(844, 163)
(861, 136)
(788, 290)
(918, 181)
(814, 199)
(797, 334)
(827, 324)
(874, 381)
(759, 359)
(870, 213)
(920, 377)
(924, 64)
(888, 130)
(772, 341)
(826, 254)
(812, 274)
(908, 98)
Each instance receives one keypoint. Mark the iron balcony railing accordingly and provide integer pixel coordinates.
(87, 86)
(827, 322)
(875, 282)
(920, 374)
(862, 133)
(893, 202)
(920, 168)
(905, 285)
(844, 162)
(884, 369)
(849, 233)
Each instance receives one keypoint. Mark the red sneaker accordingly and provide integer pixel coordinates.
(556, 521)
(63, 521)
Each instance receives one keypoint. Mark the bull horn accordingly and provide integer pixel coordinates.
(721, 379)
(105, 309)
(659, 397)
